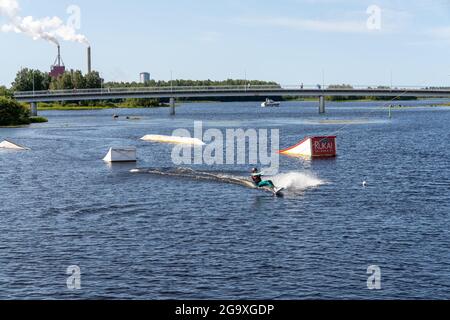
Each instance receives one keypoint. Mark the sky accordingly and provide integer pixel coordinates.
(358, 42)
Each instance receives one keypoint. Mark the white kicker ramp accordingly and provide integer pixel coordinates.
(11, 145)
(121, 155)
(173, 139)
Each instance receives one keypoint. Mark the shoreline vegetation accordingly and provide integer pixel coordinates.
(100, 106)
(110, 106)
(14, 113)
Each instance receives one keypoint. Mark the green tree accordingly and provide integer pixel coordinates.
(66, 82)
(142, 103)
(342, 87)
(13, 113)
(191, 83)
(93, 80)
(5, 92)
(29, 80)
(78, 80)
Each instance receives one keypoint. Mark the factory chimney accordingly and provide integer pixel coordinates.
(58, 68)
(89, 61)
(59, 56)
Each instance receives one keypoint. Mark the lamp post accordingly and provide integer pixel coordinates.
(245, 80)
(391, 79)
(33, 84)
(323, 79)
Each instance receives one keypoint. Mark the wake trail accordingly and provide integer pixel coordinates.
(291, 181)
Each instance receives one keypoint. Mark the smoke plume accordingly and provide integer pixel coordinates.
(48, 28)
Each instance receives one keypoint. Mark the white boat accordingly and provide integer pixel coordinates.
(270, 103)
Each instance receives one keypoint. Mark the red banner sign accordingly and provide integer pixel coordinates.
(324, 146)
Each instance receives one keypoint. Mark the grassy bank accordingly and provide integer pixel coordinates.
(75, 107)
(38, 120)
(72, 108)
(331, 100)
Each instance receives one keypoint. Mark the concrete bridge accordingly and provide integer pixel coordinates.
(258, 92)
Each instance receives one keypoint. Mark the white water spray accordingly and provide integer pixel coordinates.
(296, 181)
(48, 28)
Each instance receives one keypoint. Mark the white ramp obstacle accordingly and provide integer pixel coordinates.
(121, 155)
(314, 147)
(11, 145)
(173, 139)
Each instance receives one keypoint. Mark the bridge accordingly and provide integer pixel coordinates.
(258, 92)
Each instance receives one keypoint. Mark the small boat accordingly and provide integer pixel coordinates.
(270, 103)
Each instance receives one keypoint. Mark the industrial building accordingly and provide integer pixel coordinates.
(58, 68)
(144, 77)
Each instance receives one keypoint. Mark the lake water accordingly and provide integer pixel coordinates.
(151, 236)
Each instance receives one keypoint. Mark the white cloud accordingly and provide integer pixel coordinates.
(352, 22)
(440, 33)
(307, 24)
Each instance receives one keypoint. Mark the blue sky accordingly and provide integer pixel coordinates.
(289, 41)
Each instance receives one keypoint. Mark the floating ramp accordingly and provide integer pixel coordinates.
(12, 145)
(173, 139)
(121, 155)
(314, 147)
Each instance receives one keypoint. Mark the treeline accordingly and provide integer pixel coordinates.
(190, 83)
(187, 83)
(35, 80)
(349, 98)
(29, 80)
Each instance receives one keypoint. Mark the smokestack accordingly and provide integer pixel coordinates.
(89, 61)
(57, 68)
(59, 56)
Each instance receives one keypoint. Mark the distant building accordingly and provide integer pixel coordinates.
(57, 71)
(58, 68)
(145, 77)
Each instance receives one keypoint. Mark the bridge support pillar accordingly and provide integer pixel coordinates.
(172, 106)
(33, 109)
(321, 104)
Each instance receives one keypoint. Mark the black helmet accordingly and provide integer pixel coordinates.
(255, 170)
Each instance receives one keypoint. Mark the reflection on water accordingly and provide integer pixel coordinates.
(169, 237)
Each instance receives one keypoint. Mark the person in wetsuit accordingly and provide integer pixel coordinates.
(259, 182)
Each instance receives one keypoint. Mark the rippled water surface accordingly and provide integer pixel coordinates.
(157, 236)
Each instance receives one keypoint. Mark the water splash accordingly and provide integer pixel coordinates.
(297, 181)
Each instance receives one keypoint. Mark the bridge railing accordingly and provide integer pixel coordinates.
(212, 89)
(146, 90)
